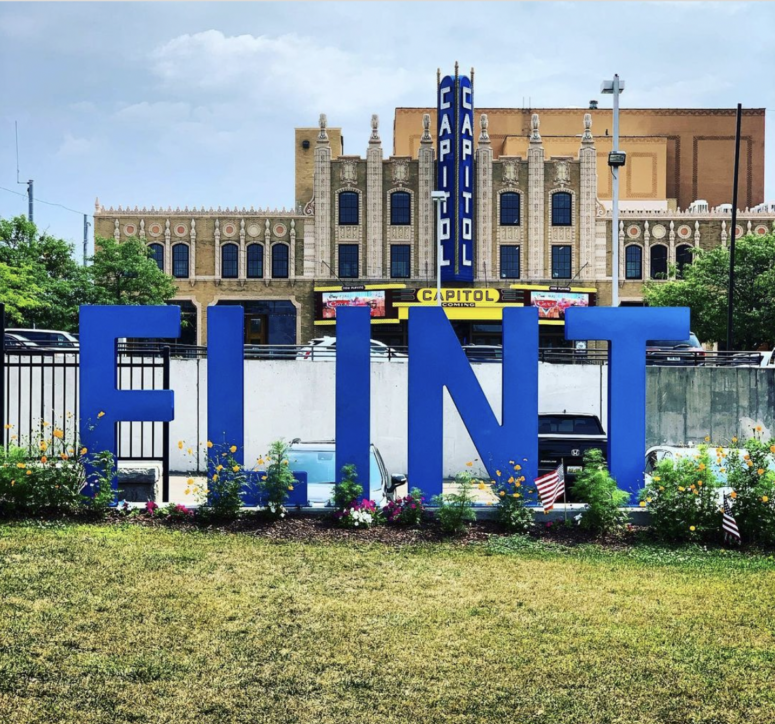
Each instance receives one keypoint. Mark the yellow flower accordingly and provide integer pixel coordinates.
(699, 482)
(180, 444)
(765, 499)
(681, 488)
(502, 493)
(707, 438)
(702, 466)
(263, 477)
(516, 495)
(760, 471)
(517, 467)
(642, 503)
(100, 414)
(233, 448)
(84, 451)
(511, 479)
(43, 445)
(648, 500)
(661, 487)
(219, 468)
(209, 443)
(260, 461)
(8, 427)
(772, 448)
(188, 491)
(63, 456)
(285, 462)
(190, 481)
(733, 495)
(498, 473)
(215, 477)
(290, 487)
(235, 469)
(481, 486)
(21, 465)
(469, 464)
(44, 459)
(750, 464)
(29, 472)
(657, 478)
(58, 434)
(734, 439)
(758, 428)
(692, 528)
(190, 451)
(13, 482)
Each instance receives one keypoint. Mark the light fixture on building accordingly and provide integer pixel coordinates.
(617, 159)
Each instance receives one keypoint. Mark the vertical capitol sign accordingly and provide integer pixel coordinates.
(455, 134)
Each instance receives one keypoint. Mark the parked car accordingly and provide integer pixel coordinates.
(317, 459)
(323, 349)
(16, 342)
(565, 437)
(670, 353)
(484, 352)
(47, 337)
(269, 351)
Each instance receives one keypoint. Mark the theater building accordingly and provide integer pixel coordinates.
(525, 221)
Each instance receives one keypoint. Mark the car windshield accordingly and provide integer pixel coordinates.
(691, 342)
(568, 425)
(320, 466)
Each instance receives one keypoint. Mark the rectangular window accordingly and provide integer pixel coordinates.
(348, 261)
(562, 207)
(348, 208)
(400, 208)
(561, 262)
(400, 258)
(510, 209)
(509, 262)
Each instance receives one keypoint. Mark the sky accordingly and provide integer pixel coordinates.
(195, 103)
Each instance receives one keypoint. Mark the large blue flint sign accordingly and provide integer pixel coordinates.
(436, 362)
(455, 134)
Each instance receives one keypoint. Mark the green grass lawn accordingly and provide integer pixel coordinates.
(131, 624)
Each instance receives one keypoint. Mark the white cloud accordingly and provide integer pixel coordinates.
(154, 114)
(279, 71)
(73, 146)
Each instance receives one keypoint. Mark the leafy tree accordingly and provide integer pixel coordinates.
(705, 288)
(126, 274)
(41, 283)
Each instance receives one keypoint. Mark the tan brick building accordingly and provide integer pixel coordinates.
(362, 230)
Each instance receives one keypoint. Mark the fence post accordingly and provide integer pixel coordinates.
(2, 372)
(165, 480)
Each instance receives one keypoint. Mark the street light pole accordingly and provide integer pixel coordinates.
(438, 199)
(616, 159)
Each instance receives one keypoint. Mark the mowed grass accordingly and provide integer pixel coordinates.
(130, 624)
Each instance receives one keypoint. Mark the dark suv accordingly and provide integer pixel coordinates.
(671, 353)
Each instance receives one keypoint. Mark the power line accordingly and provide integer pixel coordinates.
(49, 203)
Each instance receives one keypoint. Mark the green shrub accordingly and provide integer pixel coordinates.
(226, 483)
(682, 499)
(278, 481)
(456, 509)
(595, 487)
(351, 511)
(753, 486)
(512, 511)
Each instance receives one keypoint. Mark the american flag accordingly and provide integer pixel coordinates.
(728, 522)
(550, 487)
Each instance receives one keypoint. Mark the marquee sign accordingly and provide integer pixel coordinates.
(455, 170)
(378, 298)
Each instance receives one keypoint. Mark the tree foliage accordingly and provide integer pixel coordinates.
(705, 288)
(42, 285)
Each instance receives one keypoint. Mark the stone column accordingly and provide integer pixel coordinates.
(587, 201)
(374, 238)
(424, 263)
(484, 201)
(322, 196)
(535, 199)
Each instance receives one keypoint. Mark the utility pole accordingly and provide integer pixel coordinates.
(30, 214)
(730, 301)
(85, 237)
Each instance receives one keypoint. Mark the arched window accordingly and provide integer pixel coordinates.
(510, 209)
(156, 252)
(255, 261)
(229, 261)
(683, 256)
(562, 205)
(180, 261)
(280, 261)
(348, 208)
(400, 208)
(633, 262)
(658, 261)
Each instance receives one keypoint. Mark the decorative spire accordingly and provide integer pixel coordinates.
(97, 206)
(375, 140)
(535, 136)
(586, 138)
(484, 136)
(323, 136)
(426, 129)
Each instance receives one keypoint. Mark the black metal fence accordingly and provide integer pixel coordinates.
(39, 388)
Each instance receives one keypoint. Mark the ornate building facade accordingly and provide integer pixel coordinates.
(363, 232)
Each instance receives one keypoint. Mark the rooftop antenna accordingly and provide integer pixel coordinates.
(30, 209)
